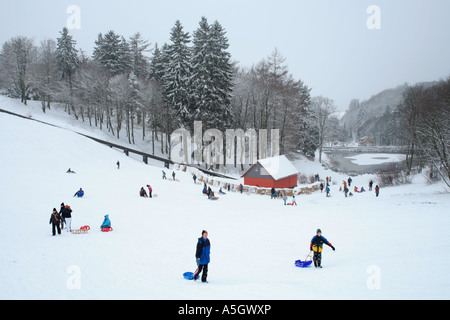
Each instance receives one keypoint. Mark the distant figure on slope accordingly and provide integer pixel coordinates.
(164, 175)
(328, 191)
(70, 171)
(349, 181)
(316, 245)
(285, 198)
(106, 223)
(377, 190)
(143, 193)
(118, 165)
(149, 191)
(55, 220)
(346, 191)
(79, 193)
(194, 177)
(293, 201)
(273, 194)
(321, 187)
(173, 175)
(370, 185)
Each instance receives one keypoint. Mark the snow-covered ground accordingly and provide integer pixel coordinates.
(395, 246)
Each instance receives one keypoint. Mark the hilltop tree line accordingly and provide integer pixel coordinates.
(131, 83)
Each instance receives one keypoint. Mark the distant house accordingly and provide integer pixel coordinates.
(275, 172)
(365, 142)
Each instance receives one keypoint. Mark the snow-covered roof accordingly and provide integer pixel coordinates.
(278, 167)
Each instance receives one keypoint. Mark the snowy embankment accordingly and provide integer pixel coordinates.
(391, 247)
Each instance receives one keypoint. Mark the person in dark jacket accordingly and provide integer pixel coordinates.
(55, 220)
(61, 214)
(317, 245)
(143, 193)
(377, 190)
(202, 256)
(67, 215)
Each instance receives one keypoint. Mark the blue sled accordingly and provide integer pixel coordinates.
(188, 275)
(303, 264)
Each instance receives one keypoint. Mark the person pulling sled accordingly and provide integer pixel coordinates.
(317, 246)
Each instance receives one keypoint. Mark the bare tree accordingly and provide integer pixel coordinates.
(323, 109)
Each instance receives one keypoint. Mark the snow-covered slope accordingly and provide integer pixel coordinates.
(391, 247)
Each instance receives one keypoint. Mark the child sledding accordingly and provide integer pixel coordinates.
(316, 246)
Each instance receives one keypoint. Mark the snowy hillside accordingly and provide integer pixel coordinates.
(391, 247)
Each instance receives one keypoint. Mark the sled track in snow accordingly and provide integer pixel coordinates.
(126, 150)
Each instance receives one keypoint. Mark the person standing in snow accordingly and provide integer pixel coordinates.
(61, 214)
(346, 191)
(285, 198)
(194, 177)
(55, 219)
(164, 175)
(349, 181)
(370, 185)
(316, 245)
(202, 256)
(149, 191)
(321, 187)
(293, 201)
(67, 215)
(377, 190)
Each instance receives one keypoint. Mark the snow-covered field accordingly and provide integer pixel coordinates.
(395, 246)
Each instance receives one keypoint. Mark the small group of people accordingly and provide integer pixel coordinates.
(144, 194)
(58, 219)
(209, 192)
(356, 190)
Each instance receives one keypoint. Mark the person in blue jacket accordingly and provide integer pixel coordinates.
(106, 223)
(79, 193)
(202, 256)
(317, 245)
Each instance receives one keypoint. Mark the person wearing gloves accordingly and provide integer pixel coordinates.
(202, 256)
(317, 245)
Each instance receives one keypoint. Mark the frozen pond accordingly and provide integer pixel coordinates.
(360, 163)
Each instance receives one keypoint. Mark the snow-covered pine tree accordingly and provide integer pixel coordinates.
(212, 76)
(176, 77)
(113, 52)
(68, 62)
(139, 63)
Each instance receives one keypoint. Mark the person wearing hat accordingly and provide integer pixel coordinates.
(55, 219)
(317, 245)
(202, 256)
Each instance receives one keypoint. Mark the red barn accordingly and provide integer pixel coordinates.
(275, 172)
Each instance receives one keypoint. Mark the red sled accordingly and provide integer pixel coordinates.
(85, 228)
(107, 229)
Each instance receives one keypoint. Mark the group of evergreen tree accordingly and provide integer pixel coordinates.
(129, 82)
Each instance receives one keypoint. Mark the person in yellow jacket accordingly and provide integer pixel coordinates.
(317, 246)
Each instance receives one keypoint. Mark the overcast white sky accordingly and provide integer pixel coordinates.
(327, 43)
